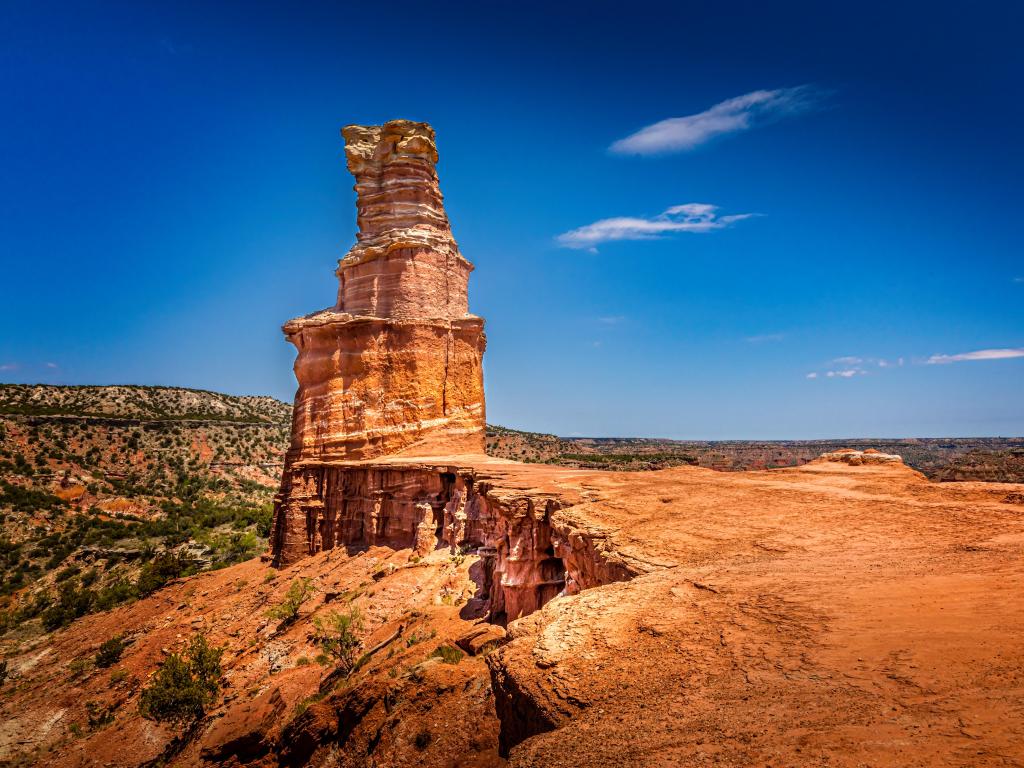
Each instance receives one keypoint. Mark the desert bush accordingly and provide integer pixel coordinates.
(72, 603)
(98, 714)
(182, 688)
(449, 654)
(338, 634)
(110, 652)
(115, 593)
(299, 592)
(160, 570)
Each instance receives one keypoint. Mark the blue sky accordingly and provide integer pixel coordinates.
(683, 217)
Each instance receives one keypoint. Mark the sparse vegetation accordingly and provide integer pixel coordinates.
(299, 591)
(98, 715)
(449, 654)
(110, 652)
(338, 634)
(184, 686)
(147, 484)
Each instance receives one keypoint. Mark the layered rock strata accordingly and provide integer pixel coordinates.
(395, 367)
(529, 545)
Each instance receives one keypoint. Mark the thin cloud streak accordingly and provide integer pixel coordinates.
(765, 337)
(691, 217)
(681, 134)
(981, 354)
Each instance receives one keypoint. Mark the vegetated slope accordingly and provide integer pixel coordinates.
(100, 486)
(991, 459)
(139, 402)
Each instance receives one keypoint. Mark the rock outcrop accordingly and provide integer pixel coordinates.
(530, 546)
(856, 458)
(396, 366)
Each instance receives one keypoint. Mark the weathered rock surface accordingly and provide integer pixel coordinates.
(396, 366)
(855, 458)
(396, 363)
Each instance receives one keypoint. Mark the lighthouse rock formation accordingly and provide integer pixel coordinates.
(387, 441)
(395, 366)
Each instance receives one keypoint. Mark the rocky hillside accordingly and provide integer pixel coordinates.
(142, 403)
(105, 492)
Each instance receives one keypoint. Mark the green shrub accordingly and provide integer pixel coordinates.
(115, 593)
(184, 685)
(338, 634)
(163, 568)
(299, 592)
(72, 603)
(110, 652)
(449, 654)
(98, 714)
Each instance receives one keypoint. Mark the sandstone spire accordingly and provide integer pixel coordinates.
(396, 366)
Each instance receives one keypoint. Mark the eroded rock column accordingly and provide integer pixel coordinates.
(395, 367)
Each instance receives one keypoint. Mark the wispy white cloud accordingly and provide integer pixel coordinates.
(981, 354)
(612, 319)
(9, 367)
(691, 217)
(765, 337)
(850, 366)
(681, 134)
(52, 366)
(812, 375)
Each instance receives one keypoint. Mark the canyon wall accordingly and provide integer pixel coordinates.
(530, 549)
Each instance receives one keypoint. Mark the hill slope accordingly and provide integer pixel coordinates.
(99, 485)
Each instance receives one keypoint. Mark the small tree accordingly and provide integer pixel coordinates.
(337, 634)
(162, 569)
(184, 685)
(110, 652)
(299, 592)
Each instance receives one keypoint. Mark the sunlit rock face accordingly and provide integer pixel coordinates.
(395, 367)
